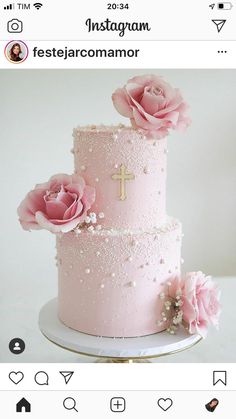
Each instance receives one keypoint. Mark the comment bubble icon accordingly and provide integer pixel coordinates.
(41, 378)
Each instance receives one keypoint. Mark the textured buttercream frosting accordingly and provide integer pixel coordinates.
(111, 277)
(110, 282)
(103, 154)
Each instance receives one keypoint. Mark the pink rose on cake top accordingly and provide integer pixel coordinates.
(152, 105)
(192, 300)
(58, 205)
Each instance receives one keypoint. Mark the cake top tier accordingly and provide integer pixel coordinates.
(128, 173)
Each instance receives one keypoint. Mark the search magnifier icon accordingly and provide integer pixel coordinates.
(70, 404)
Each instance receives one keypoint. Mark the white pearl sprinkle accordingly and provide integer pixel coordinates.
(101, 215)
(81, 251)
(113, 274)
(87, 271)
(102, 285)
(132, 284)
(90, 150)
(115, 136)
(130, 258)
(71, 266)
(81, 280)
(83, 168)
(116, 166)
(98, 253)
(96, 179)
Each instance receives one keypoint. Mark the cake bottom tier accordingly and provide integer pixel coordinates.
(110, 282)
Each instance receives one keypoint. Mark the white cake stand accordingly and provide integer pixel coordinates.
(136, 349)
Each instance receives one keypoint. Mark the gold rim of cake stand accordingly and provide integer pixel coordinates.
(124, 359)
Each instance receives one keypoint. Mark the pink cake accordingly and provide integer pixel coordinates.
(110, 279)
(118, 253)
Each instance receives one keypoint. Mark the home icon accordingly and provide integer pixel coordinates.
(23, 406)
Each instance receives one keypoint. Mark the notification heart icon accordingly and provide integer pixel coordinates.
(16, 377)
(165, 404)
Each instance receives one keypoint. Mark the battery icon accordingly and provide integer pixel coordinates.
(226, 5)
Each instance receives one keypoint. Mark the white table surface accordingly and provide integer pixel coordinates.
(19, 312)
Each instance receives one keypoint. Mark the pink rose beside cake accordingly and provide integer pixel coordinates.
(118, 253)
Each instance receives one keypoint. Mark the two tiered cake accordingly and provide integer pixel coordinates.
(118, 253)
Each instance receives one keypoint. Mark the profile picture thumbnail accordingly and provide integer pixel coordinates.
(16, 52)
(211, 406)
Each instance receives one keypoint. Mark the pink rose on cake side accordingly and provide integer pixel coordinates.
(152, 105)
(193, 301)
(201, 306)
(58, 205)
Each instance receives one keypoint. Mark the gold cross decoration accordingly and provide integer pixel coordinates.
(122, 177)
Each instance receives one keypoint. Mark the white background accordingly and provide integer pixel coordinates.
(38, 110)
(167, 19)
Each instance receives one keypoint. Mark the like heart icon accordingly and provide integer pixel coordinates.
(16, 377)
(165, 404)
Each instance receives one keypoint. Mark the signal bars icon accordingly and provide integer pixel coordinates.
(9, 6)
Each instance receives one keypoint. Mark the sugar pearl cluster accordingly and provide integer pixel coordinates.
(90, 223)
(172, 313)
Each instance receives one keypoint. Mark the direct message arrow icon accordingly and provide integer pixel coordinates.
(66, 375)
(219, 23)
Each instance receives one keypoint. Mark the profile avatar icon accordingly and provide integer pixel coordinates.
(211, 406)
(16, 52)
(17, 346)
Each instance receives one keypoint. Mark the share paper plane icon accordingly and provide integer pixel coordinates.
(66, 375)
(212, 5)
(219, 23)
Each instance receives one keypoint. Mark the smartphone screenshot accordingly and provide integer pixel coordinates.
(118, 232)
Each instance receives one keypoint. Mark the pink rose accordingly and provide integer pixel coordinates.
(199, 297)
(152, 105)
(58, 205)
(201, 305)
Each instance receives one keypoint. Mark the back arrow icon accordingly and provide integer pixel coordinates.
(219, 23)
